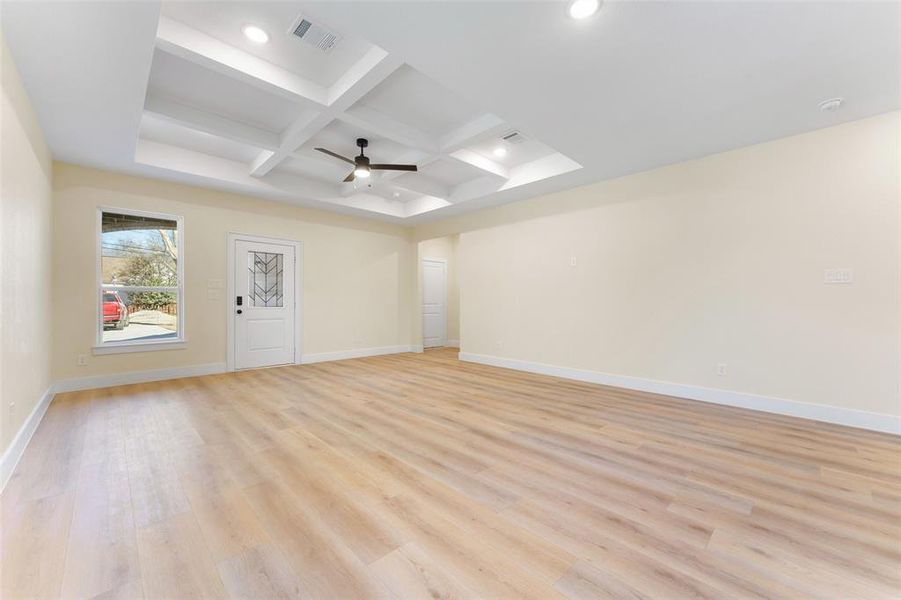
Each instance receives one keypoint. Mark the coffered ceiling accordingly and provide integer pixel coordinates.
(175, 90)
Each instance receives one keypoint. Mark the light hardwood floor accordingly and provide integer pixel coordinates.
(418, 476)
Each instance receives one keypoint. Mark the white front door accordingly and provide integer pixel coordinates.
(264, 304)
(434, 302)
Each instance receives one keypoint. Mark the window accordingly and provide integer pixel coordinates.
(140, 280)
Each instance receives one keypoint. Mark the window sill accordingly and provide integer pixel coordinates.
(123, 348)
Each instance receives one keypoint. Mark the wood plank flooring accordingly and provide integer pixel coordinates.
(419, 476)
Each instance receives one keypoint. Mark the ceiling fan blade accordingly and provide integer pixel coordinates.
(349, 178)
(393, 167)
(338, 156)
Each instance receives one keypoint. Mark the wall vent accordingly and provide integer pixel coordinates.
(514, 137)
(315, 35)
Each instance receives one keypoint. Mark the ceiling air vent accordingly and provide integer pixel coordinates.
(514, 137)
(314, 35)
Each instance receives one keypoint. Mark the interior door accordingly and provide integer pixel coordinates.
(264, 304)
(434, 303)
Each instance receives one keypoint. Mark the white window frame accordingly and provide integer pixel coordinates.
(115, 347)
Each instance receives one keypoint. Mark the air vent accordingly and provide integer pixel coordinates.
(514, 137)
(315, 35)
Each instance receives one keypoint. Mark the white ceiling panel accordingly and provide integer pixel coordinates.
(322, 169)
(189, 83)
(412, 98)
(160, 130)
(636, 86)
(225, 20)
(516, 154)
(450, 172)
(341, 137)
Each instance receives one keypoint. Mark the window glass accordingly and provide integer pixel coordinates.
(140, 289)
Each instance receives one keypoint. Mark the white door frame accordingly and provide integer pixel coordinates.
(233, 237)
(422, 295)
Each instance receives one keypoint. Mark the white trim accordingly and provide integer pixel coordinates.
(422, 262)
(180, 275)
(452, 344)
(102, 381)
(805, 410)
(358, 353)
(126, 347)
(15, 450)
(231, 238)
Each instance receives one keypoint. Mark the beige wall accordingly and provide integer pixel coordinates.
(718, 260)
(446, 247)
(25, 299)
(358, 276)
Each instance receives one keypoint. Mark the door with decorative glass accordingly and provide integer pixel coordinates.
(263, 306)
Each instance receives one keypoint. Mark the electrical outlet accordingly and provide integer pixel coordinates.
(499, 344)
(81, 360)
(721, 369)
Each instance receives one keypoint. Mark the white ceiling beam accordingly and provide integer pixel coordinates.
(188, 43)
(477, 130)
(480, 162)
(206, 122)
(423, 204)
(348, 90)
(332, 167)
(422, 185)
(215, 172)
(542, 168)
(454, 144)
(297, 134)
(375, 122)
(368, 72)
(474, 188)
(176, 158)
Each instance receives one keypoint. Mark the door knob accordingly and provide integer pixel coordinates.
(240, 311)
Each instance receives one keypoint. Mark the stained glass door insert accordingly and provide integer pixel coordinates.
(266, 284)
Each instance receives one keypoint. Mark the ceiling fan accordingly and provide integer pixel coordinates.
(362, 167)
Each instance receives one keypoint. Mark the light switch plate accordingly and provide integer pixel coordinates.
(838, 276)
(214, 284)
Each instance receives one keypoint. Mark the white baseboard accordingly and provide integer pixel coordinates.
(805, 410)
(15, 450)
(452, 343)
(102, 381)
(357, 353)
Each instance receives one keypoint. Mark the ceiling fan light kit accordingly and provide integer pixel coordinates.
(362, 167)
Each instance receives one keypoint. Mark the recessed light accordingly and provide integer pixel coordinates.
(831, 104)
(500, 152)
(397, 194)
(581, 9)
(255, 34)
